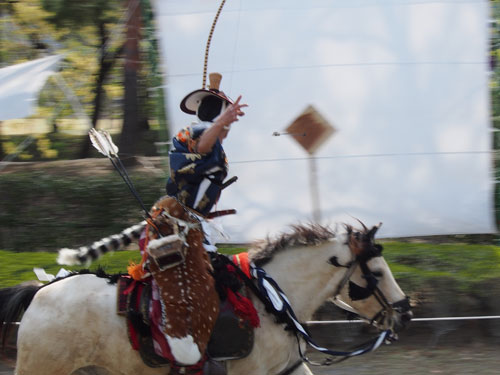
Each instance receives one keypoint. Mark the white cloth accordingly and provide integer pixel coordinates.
(212, 232)
(20, 84)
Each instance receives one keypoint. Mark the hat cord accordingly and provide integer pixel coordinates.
(208, 43)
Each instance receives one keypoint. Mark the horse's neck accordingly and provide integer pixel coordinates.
(305, 276)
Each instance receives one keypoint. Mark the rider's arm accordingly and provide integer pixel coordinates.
(220, 127)
(209, 137)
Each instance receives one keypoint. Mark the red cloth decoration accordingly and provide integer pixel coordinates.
(243, 307)
(132, 332)
(242, 261)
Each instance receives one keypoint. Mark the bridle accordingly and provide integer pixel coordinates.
(361, 257)
(276, 302)
(357, 293)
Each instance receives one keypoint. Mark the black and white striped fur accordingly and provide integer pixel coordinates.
(87, 254)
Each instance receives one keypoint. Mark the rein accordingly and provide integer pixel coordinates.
(281, 306)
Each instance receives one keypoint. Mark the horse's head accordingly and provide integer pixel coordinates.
(368, 287)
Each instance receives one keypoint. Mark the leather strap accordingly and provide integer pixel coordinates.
(214, 214)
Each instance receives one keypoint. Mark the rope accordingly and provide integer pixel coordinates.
(360, 156)
(207, 49)
(445, 318)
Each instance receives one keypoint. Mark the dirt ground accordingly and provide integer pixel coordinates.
(422, 349)
(474, 359)
(417, 360)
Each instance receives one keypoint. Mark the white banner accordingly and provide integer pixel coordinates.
(20, 85)
(404, 83)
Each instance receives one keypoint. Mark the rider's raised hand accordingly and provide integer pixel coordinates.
(231, 113)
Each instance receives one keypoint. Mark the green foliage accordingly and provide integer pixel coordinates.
(23, 31)
(60, 146)
(70, 13)
(230, 249)
(90, 35)
(30, 31)
(40, 211)
(414, 264)
(18, 267)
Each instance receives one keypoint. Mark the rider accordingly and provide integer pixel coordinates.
(187, 309)
(198, 168)
(198, 164)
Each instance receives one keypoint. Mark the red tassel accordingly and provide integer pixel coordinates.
(243, 307)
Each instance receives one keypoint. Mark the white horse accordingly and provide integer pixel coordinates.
(72, 323)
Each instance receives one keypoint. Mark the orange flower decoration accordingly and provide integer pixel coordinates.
(181, 136)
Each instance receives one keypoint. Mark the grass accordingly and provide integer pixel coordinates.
(473, 262)
(464, 264)
(413, 264)
(18, 266)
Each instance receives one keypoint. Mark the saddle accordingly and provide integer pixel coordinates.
(232, 336)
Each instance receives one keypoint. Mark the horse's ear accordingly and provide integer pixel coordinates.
(371, 233)
(348, 229)
(363, 225)
(353, 240)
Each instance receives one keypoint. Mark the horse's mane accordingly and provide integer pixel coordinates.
(263, 251)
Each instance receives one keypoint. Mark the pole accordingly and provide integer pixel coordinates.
(313, 186)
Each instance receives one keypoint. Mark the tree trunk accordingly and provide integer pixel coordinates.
(106, 62)
(131, 126)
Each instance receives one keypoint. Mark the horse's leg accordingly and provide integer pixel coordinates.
(303, 369)
(273, 350)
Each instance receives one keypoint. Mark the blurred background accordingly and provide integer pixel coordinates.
(411, 107)
(106, 58)
(67, 66)
(73, 66)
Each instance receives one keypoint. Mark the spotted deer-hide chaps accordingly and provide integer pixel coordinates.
(187, 290)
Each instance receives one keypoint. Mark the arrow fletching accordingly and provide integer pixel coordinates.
(102, 141)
